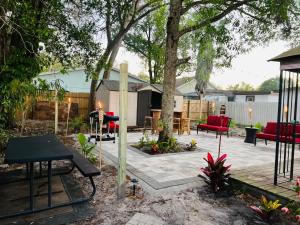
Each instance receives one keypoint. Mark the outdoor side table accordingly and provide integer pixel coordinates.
(29, 150)
(250, 134)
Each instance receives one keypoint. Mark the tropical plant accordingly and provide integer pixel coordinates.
(259, 126)
(266, 208)
(86, 147)
(202, 120)
(232, 123)
(296, 188)
(192, 145)
(216, 172)
(76, 124)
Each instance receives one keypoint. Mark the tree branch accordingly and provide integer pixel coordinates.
(219, 16)
(182, 61)
(108, 22)
(193, 4)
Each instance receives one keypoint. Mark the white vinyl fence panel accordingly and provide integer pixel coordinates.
(262, 112)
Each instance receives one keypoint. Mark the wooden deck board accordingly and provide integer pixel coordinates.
(261, 178)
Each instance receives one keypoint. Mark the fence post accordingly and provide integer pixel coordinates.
(188, 108)
(123, 130)
(207, 109)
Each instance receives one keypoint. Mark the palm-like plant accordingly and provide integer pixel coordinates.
(216, 172)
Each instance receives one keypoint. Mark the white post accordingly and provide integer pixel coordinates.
(69, 107)
(101, 115)
(123, 130)
(56, 113)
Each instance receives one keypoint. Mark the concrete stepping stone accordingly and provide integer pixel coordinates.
(144, 219)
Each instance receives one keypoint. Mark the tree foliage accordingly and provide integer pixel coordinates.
(29, 28)
(117, 17)
(271, 84)
(147, 39)
(235, 27)
(241, 87)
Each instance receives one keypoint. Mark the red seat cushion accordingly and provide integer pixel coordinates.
(213, 120)
(270, 137)
(213, 128)
(216, 121)
(270, 128)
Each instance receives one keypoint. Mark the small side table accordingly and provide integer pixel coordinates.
(250, 134)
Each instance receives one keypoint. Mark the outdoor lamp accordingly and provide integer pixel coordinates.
(285, 111)
(134, 185)
(213, 107)
(250, 115)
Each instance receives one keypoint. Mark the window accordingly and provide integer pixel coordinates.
(250, 98)
(231, 98)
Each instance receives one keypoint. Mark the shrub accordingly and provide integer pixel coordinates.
(4, 136)
(202, 120)
(258, 126)
(76, 124)
(86, 148)
(266, 209)
(232, 123)
(217, 174)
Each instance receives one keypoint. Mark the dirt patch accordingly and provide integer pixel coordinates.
(196, 206)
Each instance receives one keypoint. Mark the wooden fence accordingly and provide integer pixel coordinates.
(43, 109)
(191, 109)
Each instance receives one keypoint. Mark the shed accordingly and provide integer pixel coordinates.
(150, 97)
(107, 93)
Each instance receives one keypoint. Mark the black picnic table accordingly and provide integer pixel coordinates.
(28, 150)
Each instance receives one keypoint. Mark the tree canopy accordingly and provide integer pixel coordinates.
(33, 34)
(271, 84)
(241, 87)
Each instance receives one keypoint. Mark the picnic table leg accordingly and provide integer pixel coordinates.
(49, 183)
(31, 185)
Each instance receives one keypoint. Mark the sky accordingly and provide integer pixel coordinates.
(252, 67)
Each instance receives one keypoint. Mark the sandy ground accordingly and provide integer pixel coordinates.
(196, 206)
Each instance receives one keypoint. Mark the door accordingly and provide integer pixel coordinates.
(143, 106)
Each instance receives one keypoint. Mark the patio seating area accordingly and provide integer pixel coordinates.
(179, 170)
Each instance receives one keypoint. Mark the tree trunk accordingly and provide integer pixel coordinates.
(100, 65)
(170, 69)
(113, 55)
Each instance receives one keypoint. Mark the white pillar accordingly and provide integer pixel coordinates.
(123, 103)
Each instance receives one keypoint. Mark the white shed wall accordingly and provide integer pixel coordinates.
(132, 106)
(102, 95)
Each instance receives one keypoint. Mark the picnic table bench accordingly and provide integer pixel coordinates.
(47, 148)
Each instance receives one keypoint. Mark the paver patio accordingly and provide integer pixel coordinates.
(161, 171)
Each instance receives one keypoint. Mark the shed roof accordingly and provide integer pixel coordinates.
(159, 88)
(290, 53)
(113, 85)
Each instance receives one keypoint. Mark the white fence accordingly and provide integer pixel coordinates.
(261, 112)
